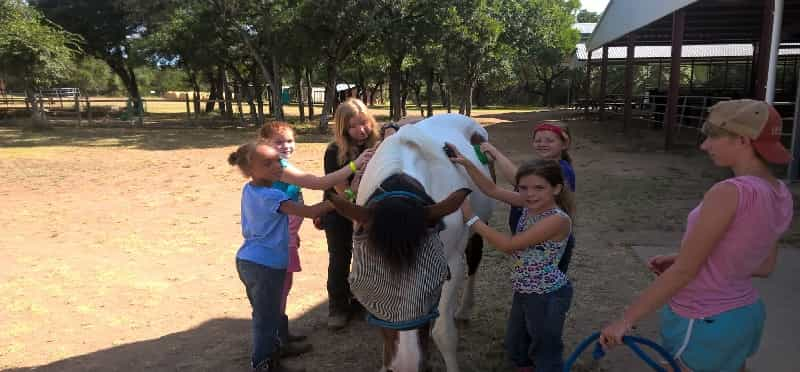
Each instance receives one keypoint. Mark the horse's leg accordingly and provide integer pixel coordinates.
(474, 253)
(389, 348)
(424, 346)
(445, 333)
(405, 353)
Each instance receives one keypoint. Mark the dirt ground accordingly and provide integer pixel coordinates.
(117, 248)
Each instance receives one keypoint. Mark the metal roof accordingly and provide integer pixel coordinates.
(707, 22)
(688, 51)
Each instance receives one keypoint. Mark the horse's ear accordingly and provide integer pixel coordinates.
(435, 212)
(355, 213)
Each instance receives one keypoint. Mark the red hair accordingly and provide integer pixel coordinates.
(269, 130)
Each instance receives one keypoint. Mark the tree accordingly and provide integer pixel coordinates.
(586, 16)
(471, 33)
(183, 40)
(541, 34)
(338, 27)
(109, 30)
(33, 49)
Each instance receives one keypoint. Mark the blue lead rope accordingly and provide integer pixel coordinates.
(632, 342)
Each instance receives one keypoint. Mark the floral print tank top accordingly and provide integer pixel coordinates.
(535, 268)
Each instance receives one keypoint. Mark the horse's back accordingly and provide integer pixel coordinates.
(417, 150)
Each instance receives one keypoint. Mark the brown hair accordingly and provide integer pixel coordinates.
(341, 119)
(550, 170)
(566, 136)
(242, 156)
(268, 130)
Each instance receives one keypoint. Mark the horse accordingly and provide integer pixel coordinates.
(409, 246)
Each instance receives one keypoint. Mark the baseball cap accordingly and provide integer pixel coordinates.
(753, 119)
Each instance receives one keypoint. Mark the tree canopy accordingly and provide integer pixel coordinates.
(457, 51)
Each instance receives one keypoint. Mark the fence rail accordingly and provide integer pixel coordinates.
(691, 111)
(123, 109)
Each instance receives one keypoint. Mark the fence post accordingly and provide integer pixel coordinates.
(78, 108)
(88, 110)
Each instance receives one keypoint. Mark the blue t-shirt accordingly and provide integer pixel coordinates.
(292, 191)
(569, 173)
(264, 228)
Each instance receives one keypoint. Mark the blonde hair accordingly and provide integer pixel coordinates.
(341, 119)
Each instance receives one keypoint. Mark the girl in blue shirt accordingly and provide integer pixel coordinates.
(263, 257)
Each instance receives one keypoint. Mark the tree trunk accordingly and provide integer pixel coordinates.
(251, 98)
(277, 83)
(260, 101)
(330, 95)
(466, 104)
(128, 78)
(404, 94)
(445, 95)
(478, 96)
(196, 91)
(228, 93)
(221, 93)
(395, 89)
(429, 92)
(310, 95)
(418, 99)
(268, 89)
(548, 89)
(271, 74)
(212, 95)
(301, 106)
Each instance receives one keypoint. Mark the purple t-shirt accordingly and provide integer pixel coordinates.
(723, 283)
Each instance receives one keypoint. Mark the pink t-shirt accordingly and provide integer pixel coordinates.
(763, 214)
(293, 265)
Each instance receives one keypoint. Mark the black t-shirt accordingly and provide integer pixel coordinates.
(331, 164)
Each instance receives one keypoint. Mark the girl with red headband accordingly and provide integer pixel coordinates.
(551, 140)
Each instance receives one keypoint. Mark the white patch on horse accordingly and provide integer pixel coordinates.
(408, 355)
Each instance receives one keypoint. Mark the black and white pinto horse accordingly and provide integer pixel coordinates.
(410, 225)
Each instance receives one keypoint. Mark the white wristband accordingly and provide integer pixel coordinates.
(472, 221)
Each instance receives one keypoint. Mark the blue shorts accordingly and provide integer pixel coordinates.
(721, 343)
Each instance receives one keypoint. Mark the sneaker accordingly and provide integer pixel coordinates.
(295, 349)
(337, 321)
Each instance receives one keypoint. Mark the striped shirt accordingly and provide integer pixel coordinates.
(404, 296)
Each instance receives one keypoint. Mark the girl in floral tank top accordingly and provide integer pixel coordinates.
(535, 268)
(542, 293)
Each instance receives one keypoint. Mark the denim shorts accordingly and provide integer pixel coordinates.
(720, 343)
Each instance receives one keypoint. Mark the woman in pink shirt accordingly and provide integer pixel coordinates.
(714, 316)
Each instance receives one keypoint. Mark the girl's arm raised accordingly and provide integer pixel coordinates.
(296, 176)
(717, 212)
(302, 210)
(507, 168)
(549, 228)
(484, 183)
